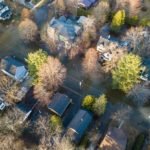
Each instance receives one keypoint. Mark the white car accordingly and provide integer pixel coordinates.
(2, 105)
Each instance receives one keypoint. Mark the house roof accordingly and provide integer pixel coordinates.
(66, 27)
(115, 139)
(59, 104)
(86, 3)
(13, 68)
(79, 125)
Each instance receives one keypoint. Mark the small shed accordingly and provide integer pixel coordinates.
(79, 125)
(13, 68)
(59, 104)
(115, 139)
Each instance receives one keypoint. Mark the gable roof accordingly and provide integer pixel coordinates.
(79, 125)
(115, 139)
(59, 103)
(13, 68)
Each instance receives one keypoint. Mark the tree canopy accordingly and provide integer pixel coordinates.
(35, 60)
(127, 72)
(118, 20)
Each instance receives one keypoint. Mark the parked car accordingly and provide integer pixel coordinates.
(2, 104)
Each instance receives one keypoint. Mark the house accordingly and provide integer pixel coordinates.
(86, 3)
(26, 3)
(5, 12)
(64, 29)
(105, 41)
(145, 72)
(78, 125)
(13, 68)
(115, 139)
(59, 104)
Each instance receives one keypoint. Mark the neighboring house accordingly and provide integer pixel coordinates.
(64, 29)
(86, 3)
(105, 41)
(26, 3)
(5, 12)
(59, 104)
(13, 68)
(145, 72)
(115, 139)
(78, 125)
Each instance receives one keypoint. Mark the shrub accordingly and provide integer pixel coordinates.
(132, 21)
(83, 12)
(145, 22)
(118, 20)
(138, 144)
(35, 60)
(127, 72)
(88, 102)
(55, 122)
(100, 105)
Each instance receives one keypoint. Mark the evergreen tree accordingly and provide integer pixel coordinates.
(118, 20)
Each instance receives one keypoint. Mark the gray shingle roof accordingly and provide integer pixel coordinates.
(65, 27)
(59, 104)
(13, 67)
(79, 125)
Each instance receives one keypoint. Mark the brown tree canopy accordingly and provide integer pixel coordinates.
(90, 62)
(28, 30)
(51, 76)
(8, 89)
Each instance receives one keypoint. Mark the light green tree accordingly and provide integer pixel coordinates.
(100, 105)
(35, 60)
(118, 20)
(55, 123)
(88, 102)
(127, 72)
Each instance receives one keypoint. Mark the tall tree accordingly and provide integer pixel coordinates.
(127, 72)
(118, 20)
(35, 60)
(50, 76)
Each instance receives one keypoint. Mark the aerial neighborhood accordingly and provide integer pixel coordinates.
(74, 74)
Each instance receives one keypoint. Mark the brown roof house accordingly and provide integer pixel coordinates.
(59, 104)
(115, 139)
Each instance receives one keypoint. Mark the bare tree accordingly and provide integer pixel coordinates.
(139, 39)
(26, 13)
(116, 54)
(100, 12)
(90, 62)
(89, 31)
(51, 76)
(9, 89)
(51, 139)
(140, 95)
(132, 7)
(28, 30)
